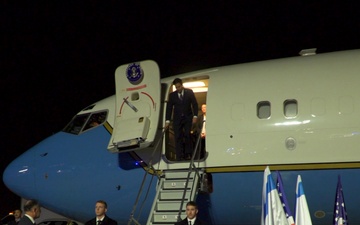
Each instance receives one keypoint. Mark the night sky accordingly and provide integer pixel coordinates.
(57, 57)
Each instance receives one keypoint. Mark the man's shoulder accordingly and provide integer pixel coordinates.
(89, 222)
(189, 92)
(199, 222)
(182, 222)
(12, 222)
(173, 95)
(24, 220)
(110, 221)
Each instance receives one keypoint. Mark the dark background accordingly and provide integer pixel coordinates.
(57, 57)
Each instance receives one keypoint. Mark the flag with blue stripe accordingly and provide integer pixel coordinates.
(340, 215)
(302, 214)
(272, 211)
(283, 199)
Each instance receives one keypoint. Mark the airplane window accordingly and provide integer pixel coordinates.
(76, 124)
(95, 120)
(86, 121)
(290, 108)
(263, 110)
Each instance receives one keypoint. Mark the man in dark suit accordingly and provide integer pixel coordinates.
(191, 213)
(183, 105)
(101, 217)
(17, 217)
(32, 211)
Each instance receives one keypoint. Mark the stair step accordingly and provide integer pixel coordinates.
(176, 184)
(169, 206)
(169, 217)
(173, 194)
(178, 174)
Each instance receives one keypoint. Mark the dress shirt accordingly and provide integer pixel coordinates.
(101, 219)
(192, 221)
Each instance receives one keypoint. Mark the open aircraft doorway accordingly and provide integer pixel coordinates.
(199, 85)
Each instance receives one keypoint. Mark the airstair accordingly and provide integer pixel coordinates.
(175, 189)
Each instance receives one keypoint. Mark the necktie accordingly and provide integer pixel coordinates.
(181, 96)
(189, 222)
(98, 222)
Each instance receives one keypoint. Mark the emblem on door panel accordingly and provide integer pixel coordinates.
(134, 73)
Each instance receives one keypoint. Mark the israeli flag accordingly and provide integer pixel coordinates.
(302, 215)
(272, 211)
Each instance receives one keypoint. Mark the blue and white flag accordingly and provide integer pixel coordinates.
(272, 211)
(340, 216)
(302, 214)
(283, 199)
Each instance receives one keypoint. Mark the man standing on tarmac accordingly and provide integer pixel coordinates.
(191, 213)
(32, 211)
(17, 216)
(101, 217)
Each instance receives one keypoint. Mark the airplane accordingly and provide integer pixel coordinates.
(298, 115)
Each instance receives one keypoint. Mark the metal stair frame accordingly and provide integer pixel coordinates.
(175, 189)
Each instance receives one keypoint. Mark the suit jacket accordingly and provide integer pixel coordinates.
(25, 221)
(106, 221)
(12, 222)
(186, 108)
(185, 222)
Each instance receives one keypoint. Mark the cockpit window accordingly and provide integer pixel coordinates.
(77, 123)
(95, 120)
(83, 122)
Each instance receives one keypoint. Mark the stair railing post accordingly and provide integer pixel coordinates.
(143, 181)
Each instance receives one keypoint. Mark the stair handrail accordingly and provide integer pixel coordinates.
(192, 168)
(147, 171)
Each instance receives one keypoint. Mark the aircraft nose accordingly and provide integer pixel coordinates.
(19, 175)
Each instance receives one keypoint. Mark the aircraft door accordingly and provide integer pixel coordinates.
(137, 106)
